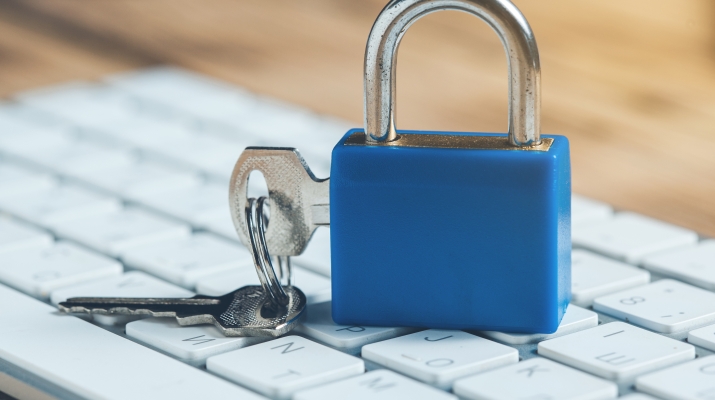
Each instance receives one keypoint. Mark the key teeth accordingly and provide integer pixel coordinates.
(65, 308)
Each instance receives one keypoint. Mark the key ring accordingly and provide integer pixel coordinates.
(256, 222)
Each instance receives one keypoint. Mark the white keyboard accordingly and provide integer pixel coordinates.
(119, 188)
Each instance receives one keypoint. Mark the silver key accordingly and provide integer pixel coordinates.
(299, 201)
(248, 311)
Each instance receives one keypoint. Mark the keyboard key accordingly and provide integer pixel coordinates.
(637, 396)
(130, 284)
(195, 204)
(439, 357)
(593, 276)
(585, 210)
(692, 264)
(184, 261)
(692, 380)
(316, 256)
(16, 180)
(281, 367)
(703, 337)
(575, 319)
(616, 351)
(138, 177)
(86, 360)
(58, 204)
(222, 225)
(316, 288)
(15, 235)
(536, 378)
(318, 325)
(114, 233)
(630, 237)
(38, 272)
(190, 344)
(665, 306)
(377, 385)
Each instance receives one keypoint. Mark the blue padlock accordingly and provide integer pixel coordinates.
(444, 229)
(429, 229)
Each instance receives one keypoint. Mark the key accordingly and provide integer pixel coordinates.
(319, 326)
(130, 284)
(114, 233)
(692, 264)
(190, 344)
(380, 384)
(575, 319)
(692, 380)
(280, 367)
(585, 210)
(630, 237)
(247, 311)
(703, 337)
(304, 199)
(40, 271)
(316, 287)
(15, 235)
(665, 306)
(536, 379)
(85, 360)
(187, 260)
(616, 351)
(593, 276)
(439, 357)
(58, 204)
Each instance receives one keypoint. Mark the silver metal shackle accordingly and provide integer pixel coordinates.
(516, 37)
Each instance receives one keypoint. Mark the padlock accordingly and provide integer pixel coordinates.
(444, 229)
(431, 229)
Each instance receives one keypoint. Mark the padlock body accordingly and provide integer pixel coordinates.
(453, 238)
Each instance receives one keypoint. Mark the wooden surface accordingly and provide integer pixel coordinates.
(631, 83)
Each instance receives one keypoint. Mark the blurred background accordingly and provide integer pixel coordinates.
(631, 83)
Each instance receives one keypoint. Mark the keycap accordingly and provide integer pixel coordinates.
(15, 235)
(86, 360)
(58, 204)
(693, 264)
(316, 256)
(319, 326)
(593, 275)
(703, 337)
(380, 384)
(630, 237)
(114, 233)
(637, 396)
(585, 210)
(130, 284)
(280, 367)
(692, 380)
(195, 204)
(190, 344)
(40, 271)
(616, 351)
(536, 378)
(186, 260)
(664, 306)
(575, 319)
(316, 287)
(138, 177)
(439, 357)
(16, 180)
(247, 311)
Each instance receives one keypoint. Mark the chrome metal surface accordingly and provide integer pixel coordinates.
(516, 37)
(299, 201)
(256, 224)
(450, 142)
(248, 311)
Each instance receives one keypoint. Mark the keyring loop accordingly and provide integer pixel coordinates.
(256, 224)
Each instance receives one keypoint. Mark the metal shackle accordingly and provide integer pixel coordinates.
(516, 37)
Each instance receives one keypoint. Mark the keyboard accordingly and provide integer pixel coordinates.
(119, 188)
